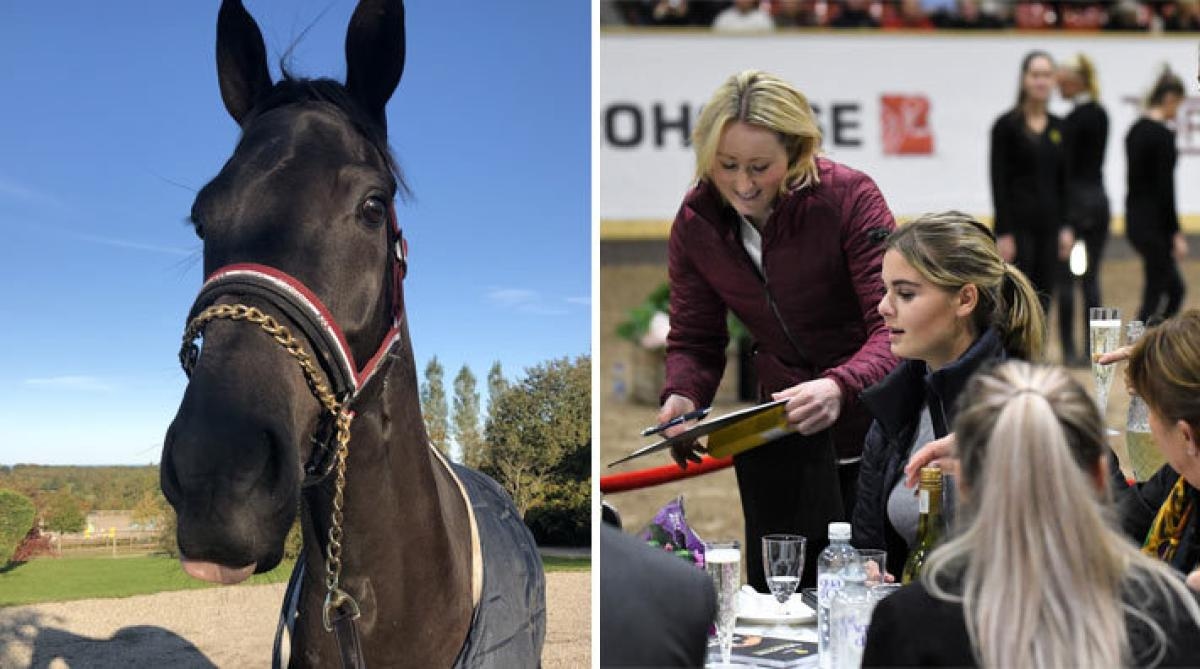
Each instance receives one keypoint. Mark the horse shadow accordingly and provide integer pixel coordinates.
(29, 640)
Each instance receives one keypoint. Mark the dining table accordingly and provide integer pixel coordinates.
(759, 615)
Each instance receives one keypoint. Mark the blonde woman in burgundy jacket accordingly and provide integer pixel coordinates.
(791, 243)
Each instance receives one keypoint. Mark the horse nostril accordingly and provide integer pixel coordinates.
(276, 466)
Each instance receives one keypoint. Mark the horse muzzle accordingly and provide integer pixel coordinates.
(215, 573)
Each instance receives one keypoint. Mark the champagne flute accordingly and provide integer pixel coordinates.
(723, 562)
(783, 561)
(1105, 326)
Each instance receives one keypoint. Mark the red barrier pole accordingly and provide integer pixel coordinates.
(645, 478)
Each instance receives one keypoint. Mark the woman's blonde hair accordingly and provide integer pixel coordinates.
(1043, 577)
(1164, 368)
(769, 102)
(1081, 65)
(951, 250)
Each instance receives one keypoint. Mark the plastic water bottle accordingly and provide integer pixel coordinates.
(849, 616)
(831, 565)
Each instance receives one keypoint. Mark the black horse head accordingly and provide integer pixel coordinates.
(306, 195)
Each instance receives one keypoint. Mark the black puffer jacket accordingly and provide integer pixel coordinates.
(896, 402)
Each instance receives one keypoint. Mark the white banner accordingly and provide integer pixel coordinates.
(937, 94)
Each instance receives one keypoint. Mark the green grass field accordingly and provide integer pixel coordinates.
(64, 579)
(566, 564)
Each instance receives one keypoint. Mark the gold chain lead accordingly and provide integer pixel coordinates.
(335, 597)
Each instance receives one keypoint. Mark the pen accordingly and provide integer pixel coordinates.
(691, 415)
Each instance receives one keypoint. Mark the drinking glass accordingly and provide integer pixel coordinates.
(1104, 324)
(876, 571)
(783, 561)
(723, 562)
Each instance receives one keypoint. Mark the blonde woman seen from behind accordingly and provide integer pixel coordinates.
(1036, 575)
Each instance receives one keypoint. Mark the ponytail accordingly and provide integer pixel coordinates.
(1028, 466)
(1021, 319)
(1087, 71)
(1037, 566)
(1081, 65)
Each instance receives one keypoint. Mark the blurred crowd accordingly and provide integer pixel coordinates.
(763, 15)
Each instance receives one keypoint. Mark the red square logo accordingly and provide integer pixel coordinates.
(905, 123)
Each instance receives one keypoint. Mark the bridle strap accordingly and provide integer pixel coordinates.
(294, 301)
(303, 308)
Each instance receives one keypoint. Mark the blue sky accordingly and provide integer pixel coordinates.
(112, 119)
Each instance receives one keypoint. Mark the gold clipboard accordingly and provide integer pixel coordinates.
(729, 434)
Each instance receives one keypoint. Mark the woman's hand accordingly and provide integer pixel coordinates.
(872, 568)
(812, 406)
(1193, 580)
(941, 452)
(677, 405)
(1116, 355)
(1179, 246)
(1006, 245)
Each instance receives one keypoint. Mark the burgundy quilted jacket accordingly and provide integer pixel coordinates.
(822, 256)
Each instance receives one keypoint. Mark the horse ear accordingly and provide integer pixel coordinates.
(375, 54)
(241, 59)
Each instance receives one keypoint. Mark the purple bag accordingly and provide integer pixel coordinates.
(669, 530)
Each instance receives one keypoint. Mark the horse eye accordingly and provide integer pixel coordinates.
(374, 211)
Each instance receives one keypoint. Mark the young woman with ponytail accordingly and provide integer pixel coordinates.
(952, 306)
(1035, 574)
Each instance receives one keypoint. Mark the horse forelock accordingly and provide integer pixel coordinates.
(292, 90)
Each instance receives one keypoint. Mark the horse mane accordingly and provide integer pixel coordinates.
(295, 90)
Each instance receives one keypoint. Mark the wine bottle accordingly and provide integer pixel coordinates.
(929, 525)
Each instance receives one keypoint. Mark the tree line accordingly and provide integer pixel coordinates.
(64, 495)
(535, 439)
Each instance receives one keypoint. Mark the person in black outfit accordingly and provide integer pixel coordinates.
(1085, 137)
(1029, 182)
(655, 608)
(1035, 575)
(1151, 222)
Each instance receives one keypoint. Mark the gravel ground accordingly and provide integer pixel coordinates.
(222, 627)
(712, 503)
